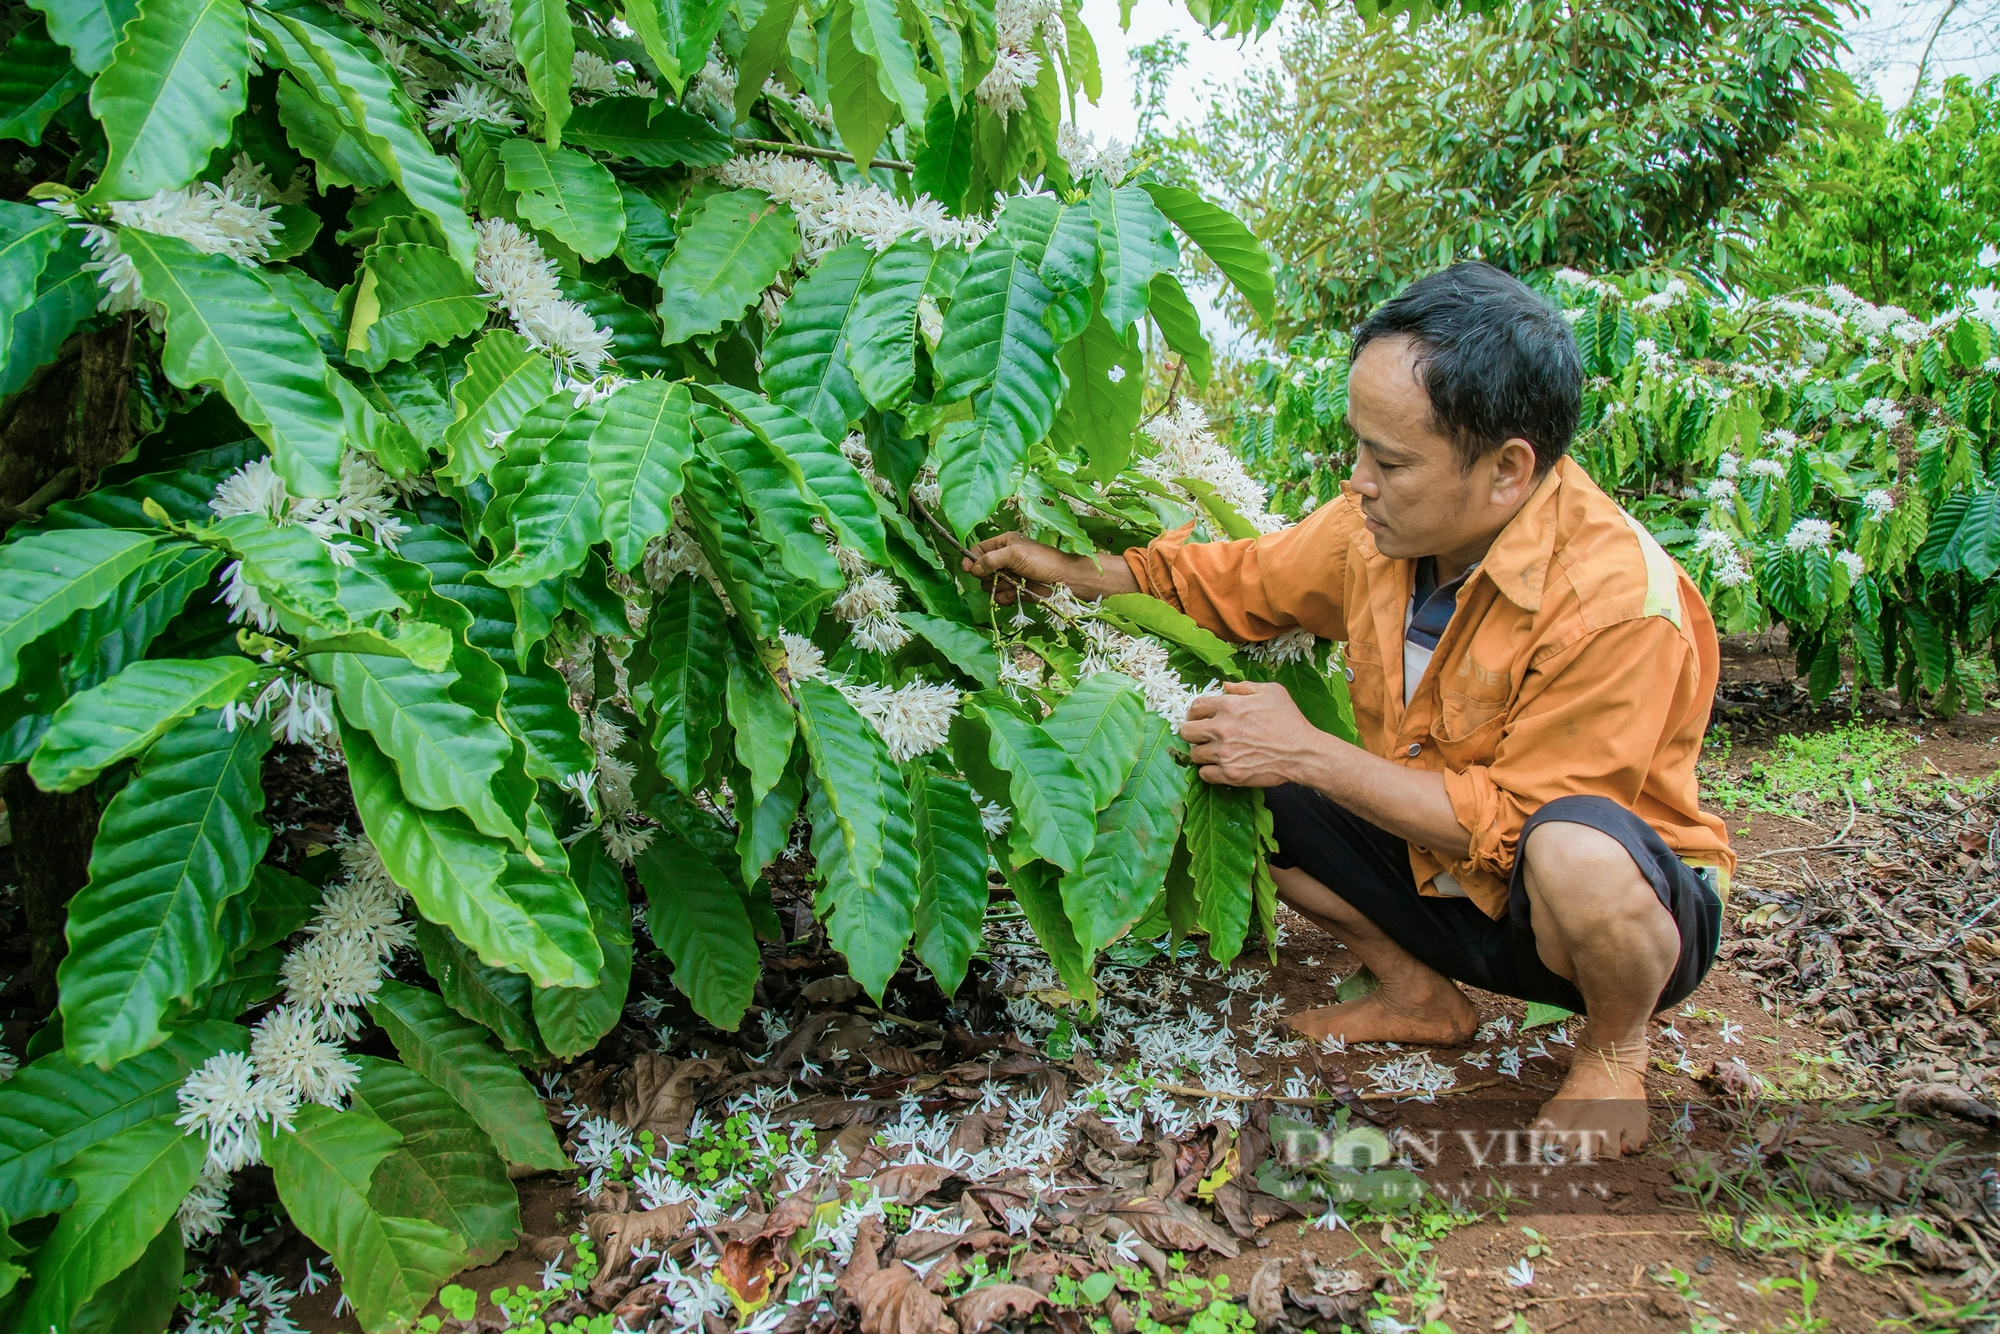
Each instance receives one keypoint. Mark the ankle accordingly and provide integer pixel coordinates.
(1626, 1051)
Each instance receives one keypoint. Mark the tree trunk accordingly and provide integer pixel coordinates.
(70, 423)
(53, 832)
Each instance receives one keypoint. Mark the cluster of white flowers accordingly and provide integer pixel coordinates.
(261, 1305)
(490, 45)
(831, 214)
(1188, 449)
(1017, 64)
(855, 450)
(1665, 299)
(470, 103)
(301, 711)
(913, 719)
(1766, 468)
(1577, 278)
(363, 506)
(1855, 568)
(1879, 503)
(1872, 322)
(510, 264)
(801, 102)
(868, 603)
(295, 1052)
(1883, 412)
(1721, 488)
(1294, 645)
(1725, 558)
(1144, 660)
(1084, 159)
(1810, 535)
(1415, 1075)
(803, 660)
(608, 789)
(225, 219)
(1728, 465)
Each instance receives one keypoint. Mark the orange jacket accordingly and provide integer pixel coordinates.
(1580, 659)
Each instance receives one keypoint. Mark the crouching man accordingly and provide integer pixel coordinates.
(1531, 675)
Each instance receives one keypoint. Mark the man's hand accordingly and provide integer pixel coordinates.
(1252, 735)
(1006, 563)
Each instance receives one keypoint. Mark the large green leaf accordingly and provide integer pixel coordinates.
(1107, 393)
(573, 1019)
(1053, 803)
(461, 879)
(868, 919)
(698, 918)
(859, 781)
(731, 250)
(557, 514)
(1153, 616)
(36, 81)
(127, 1190)
(545, 44)
(498, 998)
(56, 1107)
(880, 337)
(1135, 245)
(1226, 241)
(226, 328)
(173, 847)
(996, 350)
(445, 1171)
(637, 455)
(345, 70)
(91, 29)
(951, 875)
(677, 33)
(504, 378)
(121, 718)
(410, 297)
(324, 133)
(716, 517)
(1034, 888)
(64, 297)
(28, 236)
(688, 637)
(963, 647)
(764, 49)
(1222, 857)
(448, 756)
(775, 492)
(1181, 326)
(390, 1266)
(805, 362)
(862, 112)
(1099, 726)
(169, 97)
(47, 577)
(1135, 840)
(566, 195)
(878, 34)
(830, 479)
(762, 720)
(451, 1052)
(142, 1299)
(648, 132)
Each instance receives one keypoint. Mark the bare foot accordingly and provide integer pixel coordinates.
(1444, 1016)
(1600, 1110)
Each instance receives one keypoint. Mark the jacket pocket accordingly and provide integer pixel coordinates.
(1467, 731)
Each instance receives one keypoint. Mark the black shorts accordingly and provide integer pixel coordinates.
(1370, 868)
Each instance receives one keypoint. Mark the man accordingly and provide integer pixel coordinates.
(1531, 676)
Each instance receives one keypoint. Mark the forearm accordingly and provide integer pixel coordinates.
(1100, 575)
(1410, 803)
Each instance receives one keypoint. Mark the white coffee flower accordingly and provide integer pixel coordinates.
(592, 73)
(510, 264)
(1293, 645)
(205, 1208)
(913, 719)
(1722, 488)
(994, 819)
(1810, 535)
(1768, 468)
(803, 659)
(1188, 449)
(1883, 412)
(288, 1050)
(223, 1101)
(870, 596)
(1879, 503)
(330, 978)
(1726, 466)
(1852, 560)
(472, 103)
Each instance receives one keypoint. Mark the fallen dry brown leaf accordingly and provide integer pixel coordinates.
(907, 1183)
(615, 1235)
(983, 1307)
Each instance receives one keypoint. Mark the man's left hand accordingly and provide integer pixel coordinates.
(1251, 735)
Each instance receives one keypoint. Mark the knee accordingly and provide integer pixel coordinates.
(1584, 880)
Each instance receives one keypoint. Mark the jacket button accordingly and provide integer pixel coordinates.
(1348, 672)
(1416, 748)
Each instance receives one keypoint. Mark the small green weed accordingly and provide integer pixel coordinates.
(1802, 773)
(1203, 1303)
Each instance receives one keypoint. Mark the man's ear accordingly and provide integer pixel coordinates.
(1513, 473)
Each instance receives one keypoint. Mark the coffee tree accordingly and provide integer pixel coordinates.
(552, 430)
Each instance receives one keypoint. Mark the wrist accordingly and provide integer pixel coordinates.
(1102, 575)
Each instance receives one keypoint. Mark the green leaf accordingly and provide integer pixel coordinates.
(555, 515)
(687, 30)
(566, 195)
(545, 44)
(861, 110)
(1322, 698)
(56, 1107)
(649, 232)
(121, 718)
(325, 134)
(458, 877)
(829, 478)
(173, 89)
(28, 236)
(1226, 241)
(637, 456)
(853, 767)
(1027, 223)
(1181, 326)
(648, 132)
(445, 1171)
(1135, 246)
(881, 333)
(47, 577)
(944, 163)
(1099, 726)
(878, 34)
(1540, 1013)
(995, 349)
(688, 636)
(226, 328)
(762, 720)
(951, 876)
(279, 905)
(1222, 853)
(127, 1190)
(963, 647)
(764, 835)
(1127, 864)
(805, 362)
(91, 29)
(697, 917)
(775, 492)
(390, 1266)
(573, 1019)
(1176, 627)
(504, 378)
(451, 1052)
(36, 81)
(1034, 888)
(869, 918)
(716, 518)
(764, 52)
(345, 70)
(1107, 394)
(173, 847)
(498, 998)
(730, 251)
(1053, 804)
(141, 1300)
(447, 756)
(410, 297)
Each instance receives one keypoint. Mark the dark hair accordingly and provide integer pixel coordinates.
(1497, 360)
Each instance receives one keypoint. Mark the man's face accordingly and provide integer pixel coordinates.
(1416, 498)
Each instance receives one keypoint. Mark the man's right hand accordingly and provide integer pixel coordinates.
(1006, 563)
